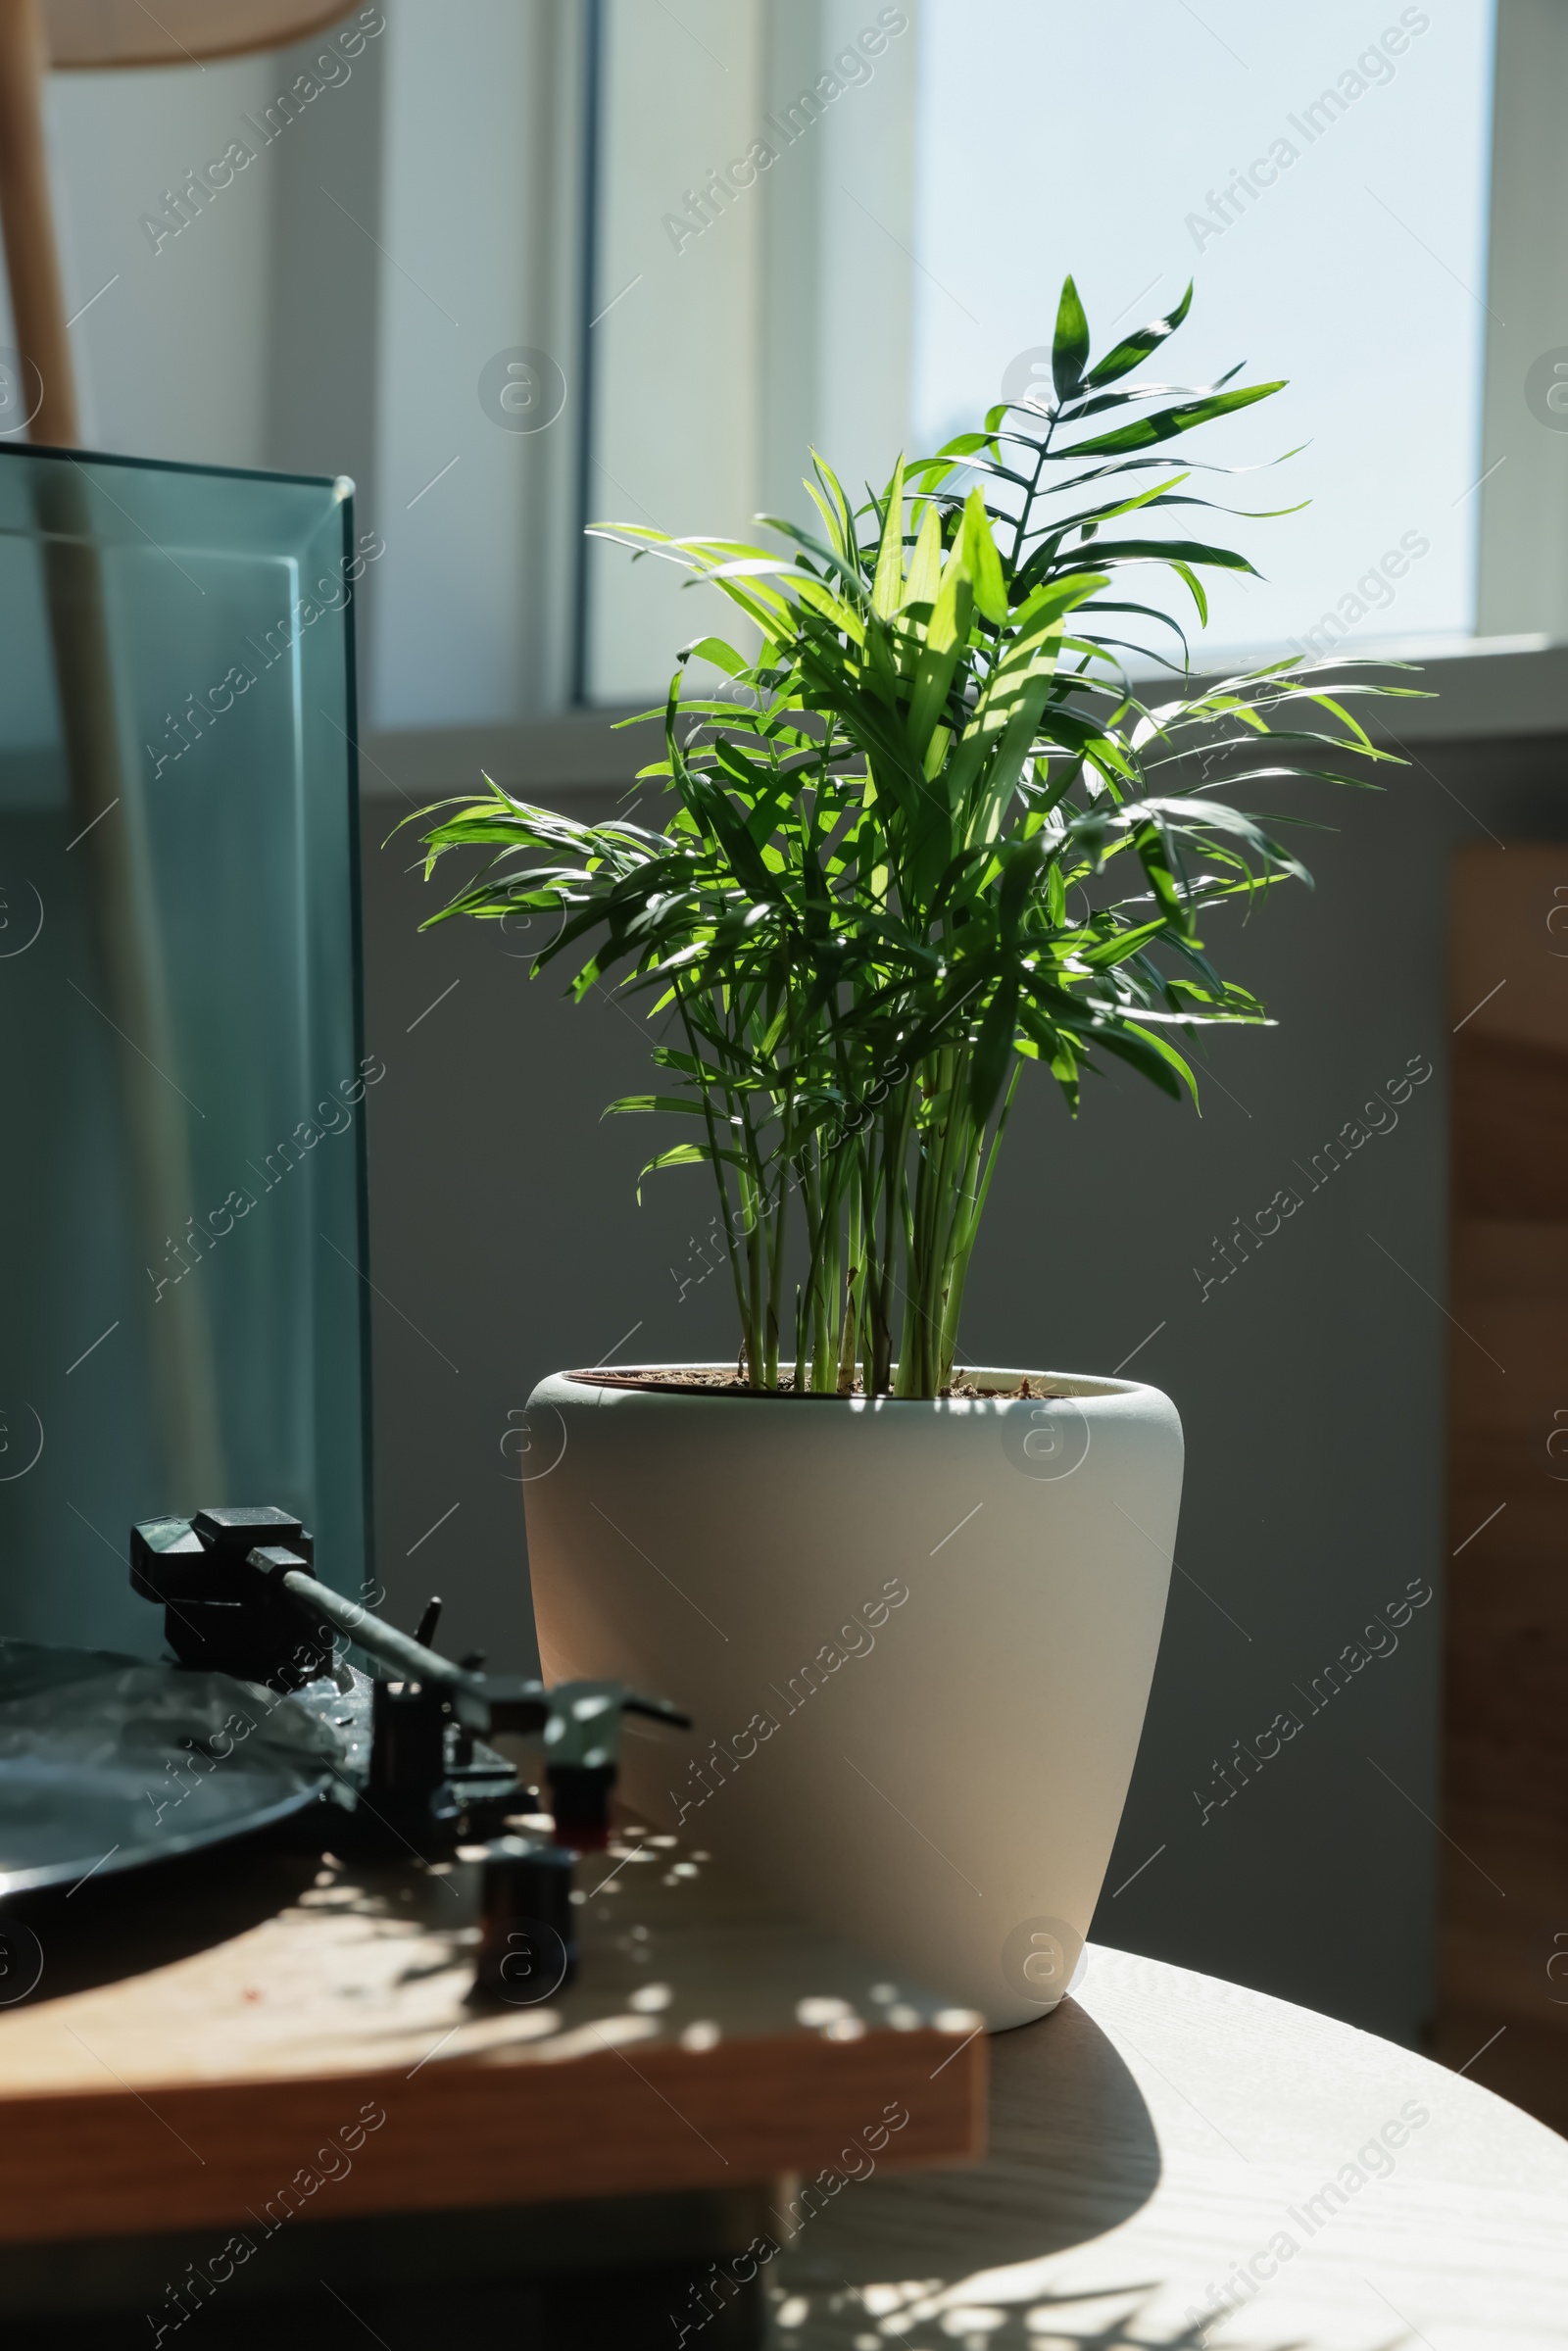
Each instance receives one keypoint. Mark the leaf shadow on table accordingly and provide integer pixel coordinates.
(887, 2246)
(1115, 2319)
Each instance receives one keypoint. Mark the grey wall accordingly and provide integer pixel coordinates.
(323, 299)
(508, 1241)
(507, 1235)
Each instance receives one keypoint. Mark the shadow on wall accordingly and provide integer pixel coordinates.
(1285, 1292)
(506, 1241)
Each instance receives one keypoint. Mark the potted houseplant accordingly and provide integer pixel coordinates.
(925, 832)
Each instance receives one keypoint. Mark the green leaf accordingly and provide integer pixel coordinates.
(984, 565)
(714, 649)
(1069, 350)
(1138, 1051)
(993, 1050)
(887, 589)
(682, 1155)
(1171, 420)
(925, 566)
(1118, 950)
(1100, 552)
(1137, 347)
(655, 1102)
(939, 655)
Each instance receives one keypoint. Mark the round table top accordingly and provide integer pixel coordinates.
(1175, 2161)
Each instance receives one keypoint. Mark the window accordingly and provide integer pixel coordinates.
(805, 243)
(1321, 177)
(840, 224)
(750, 283)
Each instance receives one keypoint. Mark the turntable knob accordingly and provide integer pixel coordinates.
(527, 1937)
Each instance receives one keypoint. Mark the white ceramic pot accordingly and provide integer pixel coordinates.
(916, 1640)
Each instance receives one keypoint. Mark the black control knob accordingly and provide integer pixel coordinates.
(527, 1938)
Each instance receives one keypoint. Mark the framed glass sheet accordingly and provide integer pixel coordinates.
(183, 1300)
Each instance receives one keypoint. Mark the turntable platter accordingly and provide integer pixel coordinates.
(108, 1763)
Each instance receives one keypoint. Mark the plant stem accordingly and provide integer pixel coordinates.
(893, 1125)
(778, 1222)
(846, 1363)
(717, 1166)
(973, 1208)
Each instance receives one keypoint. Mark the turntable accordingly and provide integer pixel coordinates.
(336, 1994)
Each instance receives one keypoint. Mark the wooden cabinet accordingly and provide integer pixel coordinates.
(1503, 1901)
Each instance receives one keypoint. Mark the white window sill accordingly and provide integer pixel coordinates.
(1484, 689)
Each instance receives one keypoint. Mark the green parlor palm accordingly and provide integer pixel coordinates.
(927, 830)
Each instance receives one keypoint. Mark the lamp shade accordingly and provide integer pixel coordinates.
(121, 33)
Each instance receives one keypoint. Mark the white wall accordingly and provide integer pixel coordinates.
(751, 327)
(331, 311)
(859, 260)
(675, 362)
(1524, 548)
(171, 360)
(479, 230)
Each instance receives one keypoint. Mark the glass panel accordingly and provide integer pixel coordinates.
(181, 1187)
(799, 212)
(1322, 175)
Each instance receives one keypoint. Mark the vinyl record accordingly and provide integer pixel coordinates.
(107, 1762)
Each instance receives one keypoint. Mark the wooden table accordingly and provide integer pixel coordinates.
(1160, 2131)
(278, 2051)
(1163, 2148)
